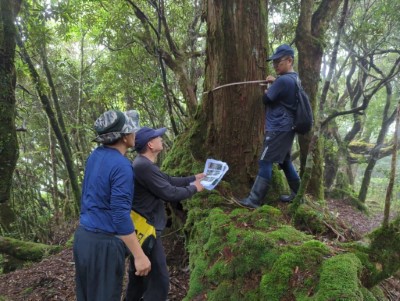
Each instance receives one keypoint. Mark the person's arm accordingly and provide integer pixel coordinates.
(180, 181)
(184, 181)
(275, 91)
(158, 183)
(120, 205)
(142, 262)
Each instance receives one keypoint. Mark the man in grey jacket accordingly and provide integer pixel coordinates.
(152, 189)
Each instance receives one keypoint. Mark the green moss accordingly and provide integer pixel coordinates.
(70, 242)
(288, 235)
(252, 253)
(225, 291)
(264, 217)
(307, 218)
(28, 251)
(360, 146)
(385, 251)
(206, 199)
(378, 293)
(339, 279)
(253, 248)
(241, 254)
(367, 295)
(297, 267)
(187, 154)
(197, 273)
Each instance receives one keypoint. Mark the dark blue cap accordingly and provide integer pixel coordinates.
(145, 134)
(282, 51)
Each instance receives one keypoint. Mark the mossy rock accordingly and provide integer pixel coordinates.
(242, 254)
(309, 219)
(339, 279)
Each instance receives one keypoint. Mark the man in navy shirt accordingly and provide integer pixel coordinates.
(106, 230)
(280, 102)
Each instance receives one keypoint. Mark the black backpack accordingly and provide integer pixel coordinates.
(303, 117)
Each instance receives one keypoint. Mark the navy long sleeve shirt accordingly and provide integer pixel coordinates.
(280, 101)
(107, 192)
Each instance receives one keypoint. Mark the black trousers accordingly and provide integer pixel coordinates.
(155, 286)
(99, 266)
(277, 146)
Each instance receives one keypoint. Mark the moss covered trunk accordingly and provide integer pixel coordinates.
(27, 251)
(310, 33)
(8, 137)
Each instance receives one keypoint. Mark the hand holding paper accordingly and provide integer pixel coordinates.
(214, 171)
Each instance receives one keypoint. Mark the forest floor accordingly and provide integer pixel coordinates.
(53, 278)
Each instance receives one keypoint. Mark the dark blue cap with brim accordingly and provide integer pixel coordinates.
(145, 134)
(281, 51)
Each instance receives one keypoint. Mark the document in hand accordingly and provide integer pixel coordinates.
(214, 170)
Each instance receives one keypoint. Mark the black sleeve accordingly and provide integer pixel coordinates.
(180, 181)
(160, 185)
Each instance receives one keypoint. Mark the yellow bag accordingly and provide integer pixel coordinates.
(145, 232)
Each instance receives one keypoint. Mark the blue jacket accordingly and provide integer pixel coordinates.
(280, 101)
(107, 192)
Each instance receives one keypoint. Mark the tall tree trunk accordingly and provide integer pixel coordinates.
(310, 32)
(332, 158)
(81, 143)
(53, 160)
(389, 191)
(233, 117)
(59, 115)
(8, 136)
(386, 122)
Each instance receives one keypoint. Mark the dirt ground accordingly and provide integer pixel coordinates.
(53, 278)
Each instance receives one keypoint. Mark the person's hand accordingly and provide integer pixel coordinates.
(270, 79)
(142, 265)
(198, 185)
(200, 176)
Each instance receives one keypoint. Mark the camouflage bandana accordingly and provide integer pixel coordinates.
(133, 119)
(111, 125)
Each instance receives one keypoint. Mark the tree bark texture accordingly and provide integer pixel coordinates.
(8, 137)
(234, 116)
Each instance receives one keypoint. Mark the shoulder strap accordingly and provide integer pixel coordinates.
(296, 79)
(297, 82)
